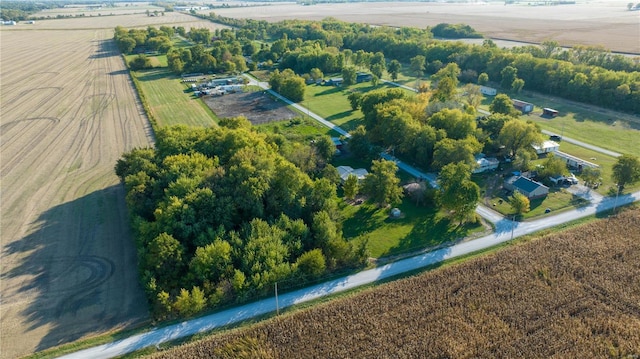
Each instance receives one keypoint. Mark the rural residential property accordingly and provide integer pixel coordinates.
(312, 180)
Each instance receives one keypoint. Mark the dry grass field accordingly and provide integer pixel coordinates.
(606, 23)
(69, 111)
(574, 294)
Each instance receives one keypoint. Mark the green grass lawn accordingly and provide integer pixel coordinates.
(332, 103)
(598, 127)
(556, 200)
(418, 228)
(307, 129)
(170, 104)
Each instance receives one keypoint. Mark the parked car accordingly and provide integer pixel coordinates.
(555, 138)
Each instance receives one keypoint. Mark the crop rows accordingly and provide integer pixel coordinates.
(573, 294)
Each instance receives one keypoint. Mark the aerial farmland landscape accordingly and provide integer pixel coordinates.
(170, 171)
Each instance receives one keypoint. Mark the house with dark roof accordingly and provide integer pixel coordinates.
(528, 187)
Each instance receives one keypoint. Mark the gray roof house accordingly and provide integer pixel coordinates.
(528, 187)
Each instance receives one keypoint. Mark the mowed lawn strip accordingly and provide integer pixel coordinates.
(169, 102)
(418, 228)
(332, 102)
(599, 127)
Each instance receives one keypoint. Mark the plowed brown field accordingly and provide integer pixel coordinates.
(606, 23)
(69, 111)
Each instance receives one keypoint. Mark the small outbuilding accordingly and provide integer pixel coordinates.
(575, 162)
(489, 91)
(484, 164)
(522, 106)
(549, 112)
(363, 77)
(546, 147)
(346, 171)
(336, 81)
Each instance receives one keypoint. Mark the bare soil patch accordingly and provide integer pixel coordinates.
(258, 107)
(69, 111)
(569, 295)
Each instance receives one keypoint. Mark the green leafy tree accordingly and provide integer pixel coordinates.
(349, 75)
(350, 187)
(378, 61)
(394, 68)
(445, 89)
(517, 85)
(483, 78)
(211, 261)
(316, 74)
(449, 151)
(418, 65)
(140, 62)
(458, 125)
(359, 143)
(519, 203)
(164, 256)
(472, 96)
(355, 98)
(189, 303)
(626, 170)
(553, 166)
(377, 70)
(325, 148)
(591, 176)
(382, 184)
(523, 159)
(458, 194)
(509, 74)
(311, 264)
(516, 135)
(502, 104)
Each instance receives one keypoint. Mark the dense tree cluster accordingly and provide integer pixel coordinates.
(586, 74)
(220, 215)
(454, 31)
(150, 39)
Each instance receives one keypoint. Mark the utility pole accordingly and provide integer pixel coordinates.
(277, 306)
(615, 203)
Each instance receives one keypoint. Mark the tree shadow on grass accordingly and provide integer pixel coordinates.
(363, 221)
(152, 74)
(432, 230)
(76, 270)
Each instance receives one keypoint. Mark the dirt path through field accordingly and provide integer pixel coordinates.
(68, 264)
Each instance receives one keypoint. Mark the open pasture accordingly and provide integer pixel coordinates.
(169, 102)
(69, 111)
(606, 23)
(550, 297)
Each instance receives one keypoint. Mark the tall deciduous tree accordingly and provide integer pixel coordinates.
(394, 68)
(626, 170)
(350, 187)
(457, 193)
(591, 175)
(502, 104)
(382, 184)
(519, 203)
(418, 65)
(519, 134)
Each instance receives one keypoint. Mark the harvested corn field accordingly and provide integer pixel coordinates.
(69, 111)
(573, 294)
